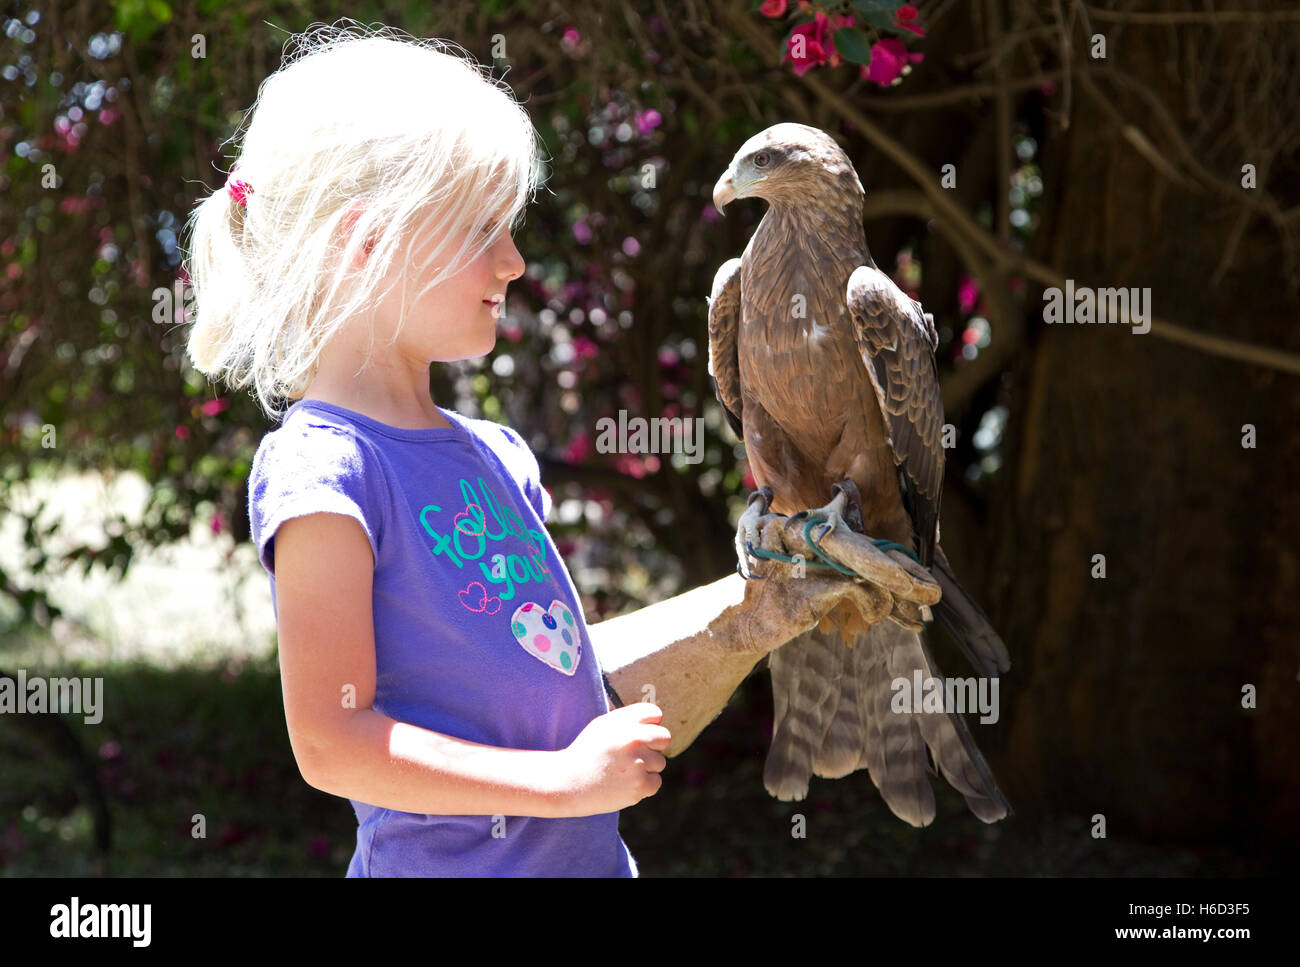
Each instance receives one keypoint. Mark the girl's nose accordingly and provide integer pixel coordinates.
(511, 264)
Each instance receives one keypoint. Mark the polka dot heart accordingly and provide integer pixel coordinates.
(550, 636)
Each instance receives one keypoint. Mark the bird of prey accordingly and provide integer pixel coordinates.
(825, 369)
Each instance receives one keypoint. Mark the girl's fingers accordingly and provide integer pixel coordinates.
(657, 737)
(654, 761)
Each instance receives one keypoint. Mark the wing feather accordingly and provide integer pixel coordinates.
(897, 342)
(724, 325)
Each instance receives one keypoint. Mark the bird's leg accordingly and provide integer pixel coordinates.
(853, 513)
(748, 531)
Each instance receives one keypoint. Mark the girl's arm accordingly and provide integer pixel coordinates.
(324, 576)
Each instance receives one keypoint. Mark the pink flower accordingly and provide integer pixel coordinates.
(213, 407)
(772, 8)
(968, 293)
(816, 46)
(889, 58)
(905, 17)
(578, 448)
(629, 465)
(819, 43)
(110, 749)
(647, 121)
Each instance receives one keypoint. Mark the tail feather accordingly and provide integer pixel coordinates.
(841, 746)
(804, 690)
(966, 622)
(833, 714)
(892, 748)
(957, 755)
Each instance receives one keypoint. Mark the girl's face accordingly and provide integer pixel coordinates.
(457, 319)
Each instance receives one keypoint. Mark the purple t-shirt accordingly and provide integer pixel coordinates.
(478, 629)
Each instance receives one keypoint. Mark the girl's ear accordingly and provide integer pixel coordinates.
(349, 223)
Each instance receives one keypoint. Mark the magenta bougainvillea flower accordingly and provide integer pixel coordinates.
(812, 50)
(817, 46)
(968, 294)
(647, 121)
(812, 44)
(889, 61)
(905, 17)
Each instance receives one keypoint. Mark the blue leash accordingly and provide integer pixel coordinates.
(824, 559)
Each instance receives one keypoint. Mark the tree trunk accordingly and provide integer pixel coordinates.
(1126, 696)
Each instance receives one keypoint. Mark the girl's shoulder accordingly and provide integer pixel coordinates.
(517, 459)
(316, 464)
(313, 439)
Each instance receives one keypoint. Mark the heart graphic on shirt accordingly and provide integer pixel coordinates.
(481, 520)
(550, 636)
(483, 604)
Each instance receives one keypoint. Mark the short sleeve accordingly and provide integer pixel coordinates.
(531, 483)
(309, 469)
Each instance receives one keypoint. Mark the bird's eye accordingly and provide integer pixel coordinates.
(761, 159)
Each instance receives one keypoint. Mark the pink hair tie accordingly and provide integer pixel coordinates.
(239, 190)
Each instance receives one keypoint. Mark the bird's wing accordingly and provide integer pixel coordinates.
(897, 342)
(724, 324)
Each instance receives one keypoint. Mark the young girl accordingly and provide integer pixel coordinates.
(436, 666)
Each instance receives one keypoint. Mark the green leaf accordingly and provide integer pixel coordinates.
(881, 20)
(853, 45)
(869, 7)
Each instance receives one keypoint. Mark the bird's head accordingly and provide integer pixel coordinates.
(784, 162)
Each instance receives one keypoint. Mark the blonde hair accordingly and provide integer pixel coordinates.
(414, 129)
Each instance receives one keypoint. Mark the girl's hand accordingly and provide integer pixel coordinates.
(615, 761)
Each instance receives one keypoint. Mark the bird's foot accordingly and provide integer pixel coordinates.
(750, 528)
(845, 508)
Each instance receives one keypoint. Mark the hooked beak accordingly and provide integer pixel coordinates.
(724, 192)
(727, 191)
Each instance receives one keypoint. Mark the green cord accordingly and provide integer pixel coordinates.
(826, 560)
